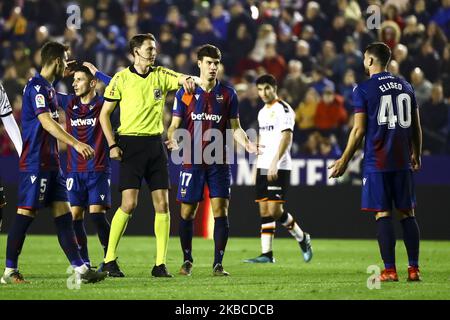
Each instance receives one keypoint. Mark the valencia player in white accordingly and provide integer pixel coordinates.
(276, 124)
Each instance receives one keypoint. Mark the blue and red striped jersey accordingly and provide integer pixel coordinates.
(201, 111)
(389, 102)
(83, 123)
(40, 148)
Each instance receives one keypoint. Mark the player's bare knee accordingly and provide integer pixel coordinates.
(383, 214)
(161, 205)
(188, 211)
(28, 213)
(128, 205)
(403, 214)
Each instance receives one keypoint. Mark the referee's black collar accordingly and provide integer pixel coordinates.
(133, 70)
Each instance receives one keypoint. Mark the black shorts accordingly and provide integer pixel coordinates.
(2, 195)
(143, 157)
(273, 190)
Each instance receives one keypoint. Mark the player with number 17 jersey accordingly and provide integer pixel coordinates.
(389, 103)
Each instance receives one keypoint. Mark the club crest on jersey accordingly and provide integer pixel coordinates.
(183, 192)
(37, 87)
(40, 101)
(102, 196)
(219, 98)
(33, 178)
(157, 93)
(91, 107)
(364, 181)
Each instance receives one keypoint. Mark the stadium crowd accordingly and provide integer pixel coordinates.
(313, 48)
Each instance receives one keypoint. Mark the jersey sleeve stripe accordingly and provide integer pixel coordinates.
(111, 100)
(6, 114)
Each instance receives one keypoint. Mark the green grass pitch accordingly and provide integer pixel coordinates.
(337, 271)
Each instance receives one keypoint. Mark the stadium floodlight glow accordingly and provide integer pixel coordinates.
(255, 12)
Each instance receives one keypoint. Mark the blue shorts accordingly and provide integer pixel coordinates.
(192, 181)
(89, 188)
(40, 189)
(383, 189)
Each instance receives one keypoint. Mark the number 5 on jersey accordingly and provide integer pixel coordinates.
(386, 111)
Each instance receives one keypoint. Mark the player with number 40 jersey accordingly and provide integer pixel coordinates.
(387, 115)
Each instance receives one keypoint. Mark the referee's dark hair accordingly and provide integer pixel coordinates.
(51, 51)
(139, 39)
(208, 50)
(267, 78)
(381, 51)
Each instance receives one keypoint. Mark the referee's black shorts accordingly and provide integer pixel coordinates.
(143, 157)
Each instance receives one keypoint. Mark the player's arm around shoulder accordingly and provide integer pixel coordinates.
(54, 128)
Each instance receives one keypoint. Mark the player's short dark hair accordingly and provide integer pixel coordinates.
(208, 50)
(381, 51)
(84, 69)
(139, 39)
(51, 51)
(267, 78)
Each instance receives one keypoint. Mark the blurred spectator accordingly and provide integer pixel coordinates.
(331, 115)
(167, 42)
(420, 11)
(346, 87)
(391, 14)
(274, 63)
(21, 60)
(290, 22)
(266, 35)
(436, 37)
(309, 35)
(315, 18)
(394, 68)
(351, 58)
(422, 86)
(446, 71)
(434, 119)
(320, 81)
(362, 36)
(442, 17)
(110, 48)
(413, 34)
(11, 82)
(241, 46)
(295, 83)
(239, 16)
(305, 114)
(389, 33)
(219, 20)
(400, 54)
(351, 10)
(338, 32)
(428, 60)
(302, 54)
(89, 16)
(41, 36)
(204, 33)
(249, 105)
(86, 50)
(327, 57)
(176, 20)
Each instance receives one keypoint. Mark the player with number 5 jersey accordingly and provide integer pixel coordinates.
(387, 115)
